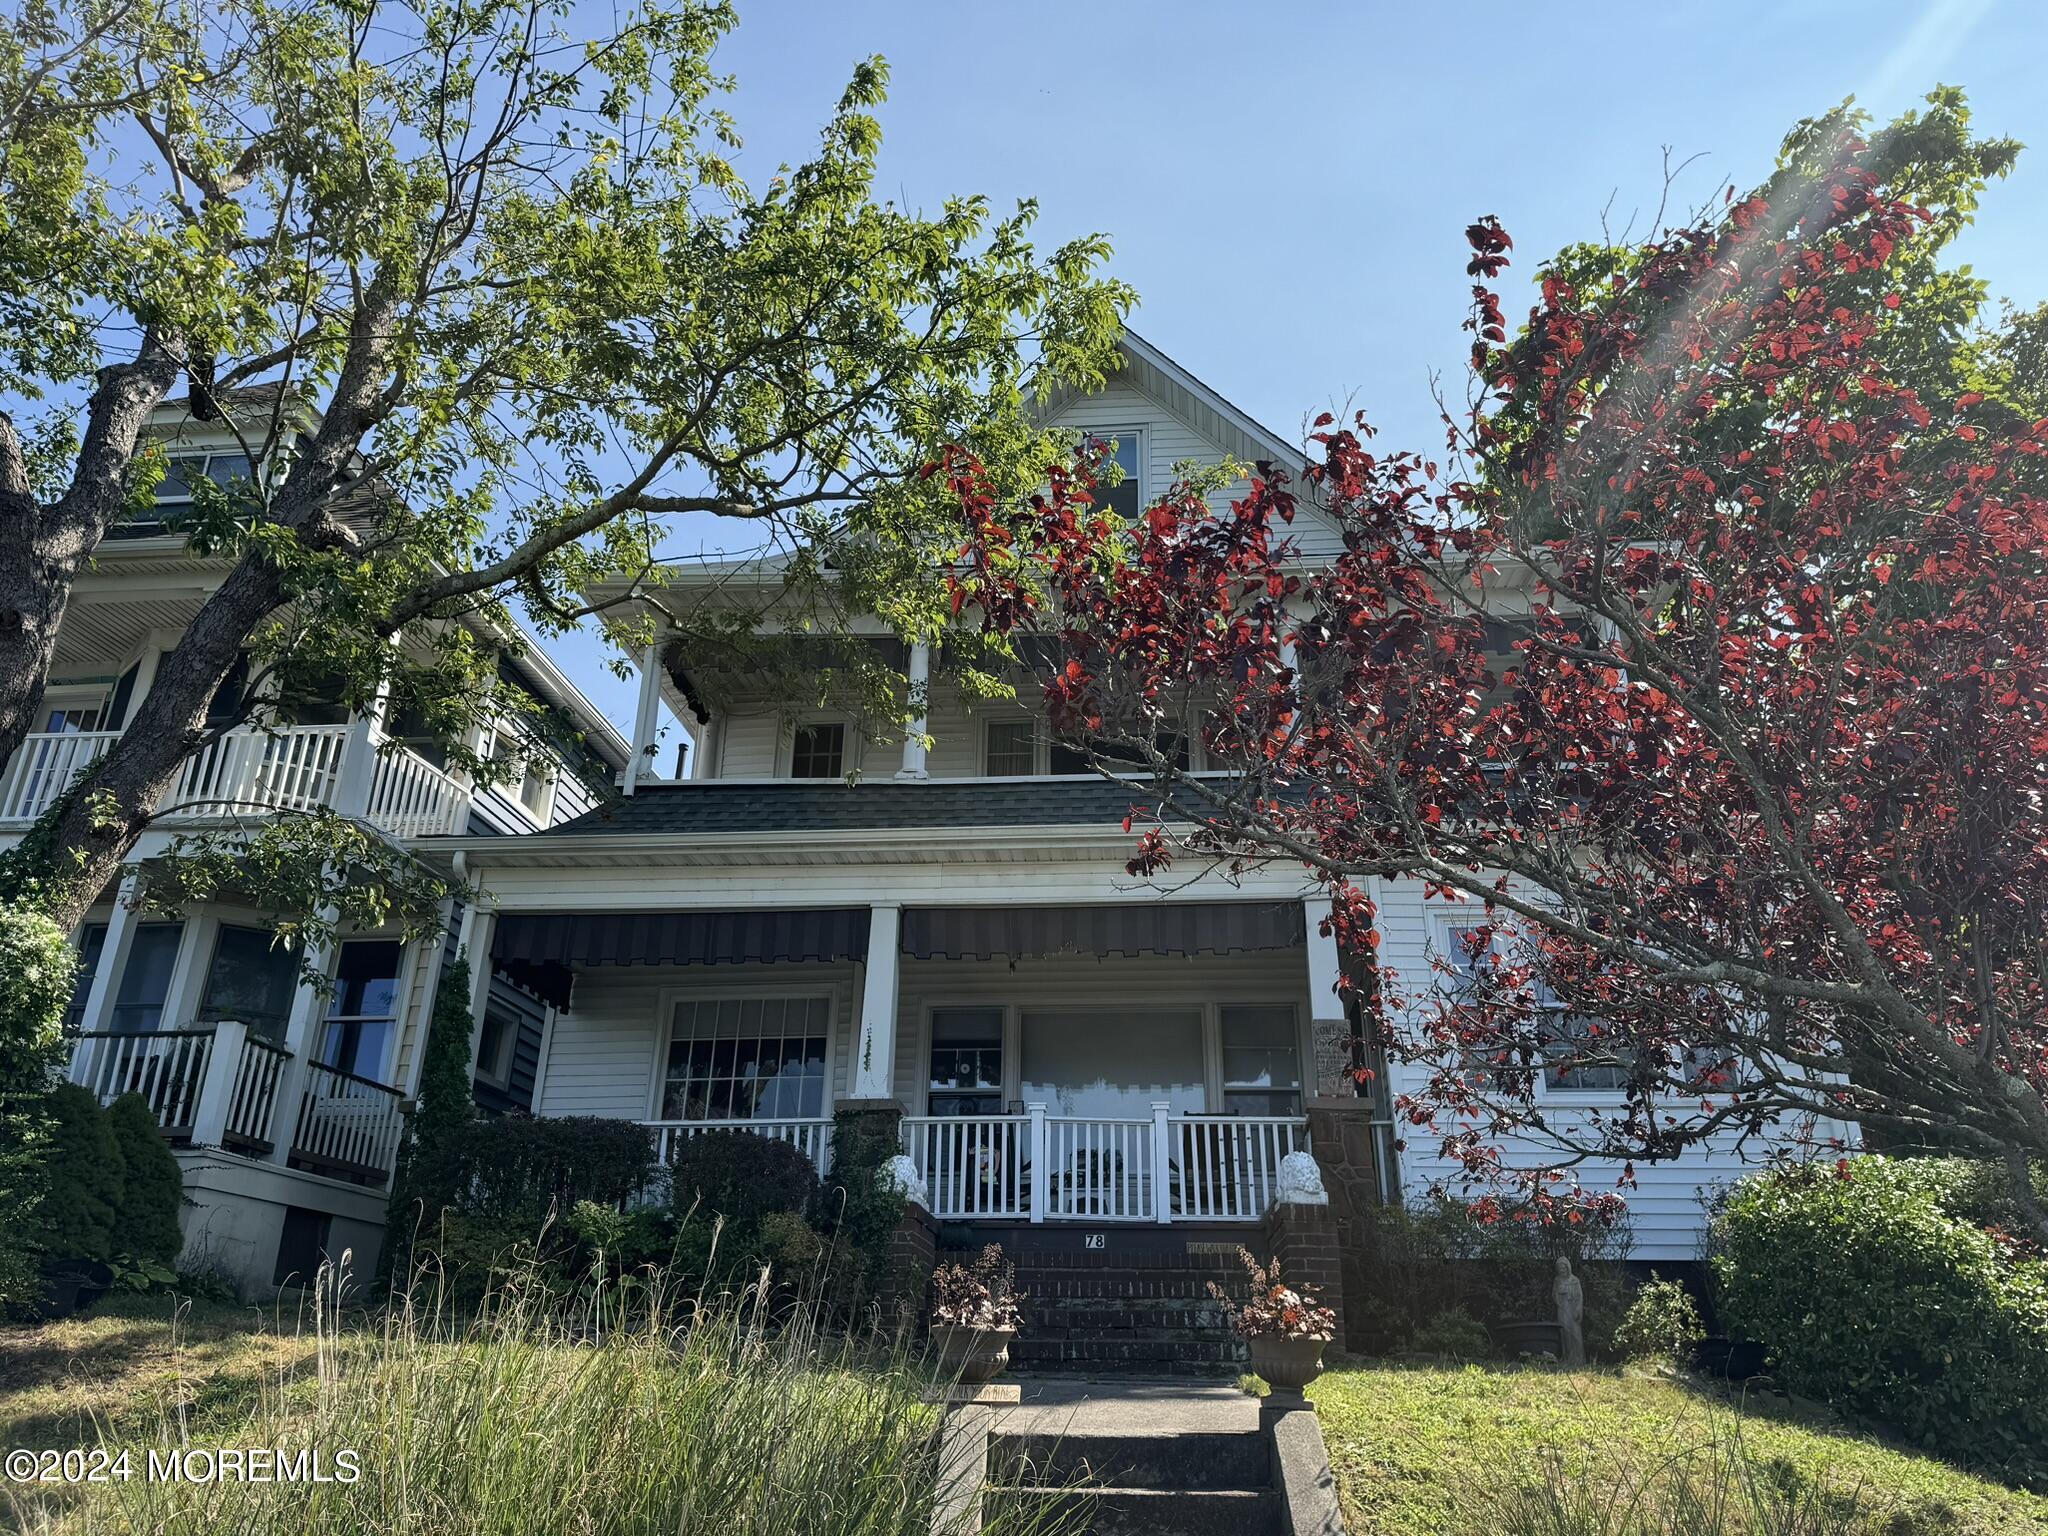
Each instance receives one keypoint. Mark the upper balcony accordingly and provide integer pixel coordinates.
(255, 772)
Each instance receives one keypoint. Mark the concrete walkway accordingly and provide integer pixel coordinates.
(1126, 1405)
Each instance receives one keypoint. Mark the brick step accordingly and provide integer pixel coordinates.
(1195, 1316)
(1221, 1355)
(1199, 1462)
(1083, 1287)
(1143, 1511)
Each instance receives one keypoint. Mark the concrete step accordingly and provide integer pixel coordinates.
(1178, 1356)
(1146, 1511)
(1194, 1461)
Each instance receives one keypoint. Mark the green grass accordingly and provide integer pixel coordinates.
(649, 1414)
(1450, 1450)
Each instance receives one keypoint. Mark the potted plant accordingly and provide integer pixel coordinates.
(975, 1315)
(1285, 1327)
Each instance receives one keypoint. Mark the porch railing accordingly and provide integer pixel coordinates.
(251, 772)
(349, 1126)
(166, 1067)
(1042, 1167)
(813, 1137)
(252, 1096)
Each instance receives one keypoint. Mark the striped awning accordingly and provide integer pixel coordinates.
(544, 950)
(1150, 928)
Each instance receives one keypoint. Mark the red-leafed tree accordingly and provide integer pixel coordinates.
(1709, 669)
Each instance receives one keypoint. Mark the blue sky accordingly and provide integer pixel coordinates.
(1287, 185)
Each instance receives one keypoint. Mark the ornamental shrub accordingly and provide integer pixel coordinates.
(525, 1167)
(37, 968)
(152, 1190)
(1662, 1323)
(83, 1193)
(741, 1177)
(1868, 1290)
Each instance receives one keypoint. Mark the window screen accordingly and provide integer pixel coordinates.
(754, 1058)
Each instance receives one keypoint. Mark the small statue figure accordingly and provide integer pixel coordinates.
(900, 1174)
(1570, 1297)
(1300, 1181)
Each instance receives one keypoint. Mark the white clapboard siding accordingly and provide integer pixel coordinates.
(1667, 1207)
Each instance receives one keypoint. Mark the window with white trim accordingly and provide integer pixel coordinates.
(1010, 748)
(1125, 498)
(226, 469)
(1569, 1041)
(1261, 1059)
(751, 1058)
(818, 750)
(495, 1045)
(966, 1062)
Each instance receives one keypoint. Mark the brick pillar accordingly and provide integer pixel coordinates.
(1303, 1241)
(1340, 1135)
(907, 1271)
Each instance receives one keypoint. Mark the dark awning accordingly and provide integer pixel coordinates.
(1151, 928)
(541, 950)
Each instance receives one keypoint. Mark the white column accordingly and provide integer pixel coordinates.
(355, 778)
(646, 714)
(99, 999)
(301, 1039)
(187, 985)
(1041, 1171)
(875, 1061)
(913, 739)
(217, 1089)
(1162, 1161)
(478, 924)
(1328, 1022)
(703, 761)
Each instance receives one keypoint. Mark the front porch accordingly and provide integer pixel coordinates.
(1124, 1064)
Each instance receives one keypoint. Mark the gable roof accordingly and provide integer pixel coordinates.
(1151, 372)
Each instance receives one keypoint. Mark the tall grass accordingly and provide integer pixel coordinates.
(629, 1411)
(1712, 1487)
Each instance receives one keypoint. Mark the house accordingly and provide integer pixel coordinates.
(831, 915)
(284, 1107)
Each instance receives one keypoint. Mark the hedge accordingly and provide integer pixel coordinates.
(1871, 1289)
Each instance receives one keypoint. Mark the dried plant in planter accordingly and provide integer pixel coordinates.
(982, 1294)
(1275, 1309)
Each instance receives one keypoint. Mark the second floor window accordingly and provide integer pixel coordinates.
(252, 980)
(223, 469)
(146, 979)
(1125, 498)
(819, 751)
(1012, 749)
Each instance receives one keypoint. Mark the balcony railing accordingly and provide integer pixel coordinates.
(218, 1085)
(1042, 1167)
(252, 772)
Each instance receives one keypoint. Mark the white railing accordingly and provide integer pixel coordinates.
(167, 1067)
(1227, 1167)
(410, 797)
(349, 1126)
(1043, 1167)
(252, 1096)
(971, 1165)
(43, 768)
(813, 1138)
(251, 773)
(241, 773)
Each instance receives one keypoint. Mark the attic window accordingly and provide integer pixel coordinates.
(1126, 496)
(819, 751)
(223, 469)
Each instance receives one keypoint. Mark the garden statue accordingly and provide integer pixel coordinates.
(1570, 1296)
(1300, 1181)
(901, 1175)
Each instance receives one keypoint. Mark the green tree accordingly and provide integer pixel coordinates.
(482, 292)
(152, 1190)
(36, 971)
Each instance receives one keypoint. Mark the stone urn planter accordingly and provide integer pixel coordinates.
(973, 1355)
(1286, 1365)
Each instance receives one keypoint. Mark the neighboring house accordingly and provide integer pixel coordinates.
(285, 1107)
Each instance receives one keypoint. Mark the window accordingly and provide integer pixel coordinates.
(1068, 758)
(223, 469)
(495, 1046)
(146, 979)
(362, 1016)
(1113, 1064)
(1011, 748)
(1569, 1041)
(967, 1062)
(1125, 497)
(252, 980)
(755, 1058)
(92, 939)
(1261, 1061)
(65, 718)
(819, 751)
(534, 782)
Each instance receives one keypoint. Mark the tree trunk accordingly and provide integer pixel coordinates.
(35, 586)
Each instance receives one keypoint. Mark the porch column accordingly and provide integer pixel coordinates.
(301, 1040)
(99, 999)
(1329, 1022)
(874, 1066)
(703, 761)
(474, 945)
(355, 777)
(913, 739)
(644, 716)
(217, 1088)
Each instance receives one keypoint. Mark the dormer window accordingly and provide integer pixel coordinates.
(819, 751)
(1127, 495)
(223, 469)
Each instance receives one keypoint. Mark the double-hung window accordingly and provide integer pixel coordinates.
(251, 979)
(1261, 1059)
(1010, 748)
(818, 750)
(363, 1015)
(1575, 1060)
(1126, 497)
(753, 1058)
(146, 978)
